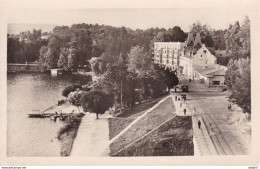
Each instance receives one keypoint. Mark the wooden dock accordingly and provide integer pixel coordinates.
(39, 115)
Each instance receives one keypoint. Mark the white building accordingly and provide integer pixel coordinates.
(212, 75)
(167, 54)
(185, 57)
(203, 57)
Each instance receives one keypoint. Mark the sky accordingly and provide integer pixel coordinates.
(134, 14)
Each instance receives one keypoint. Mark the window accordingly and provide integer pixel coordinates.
(216, 82)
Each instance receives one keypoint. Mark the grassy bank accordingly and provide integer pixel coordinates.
(68, 133)
(153, 119)
(121, 121)
(174, 138)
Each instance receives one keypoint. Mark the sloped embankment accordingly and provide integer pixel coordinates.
(121, 121)
(174, 138)
(175, 134)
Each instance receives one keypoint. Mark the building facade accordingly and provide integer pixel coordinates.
(184, 57)
(167, 54)
(212, 75)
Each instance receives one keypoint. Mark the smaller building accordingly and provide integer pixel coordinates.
(212, 75)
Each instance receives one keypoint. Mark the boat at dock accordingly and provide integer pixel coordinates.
(53, 112)
(44, 115)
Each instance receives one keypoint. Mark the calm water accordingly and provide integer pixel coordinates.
(34, 91)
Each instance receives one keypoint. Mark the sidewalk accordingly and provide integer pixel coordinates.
(92, 137)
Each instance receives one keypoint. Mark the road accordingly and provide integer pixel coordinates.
(219, 134)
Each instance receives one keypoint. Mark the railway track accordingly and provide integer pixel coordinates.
(221, 145)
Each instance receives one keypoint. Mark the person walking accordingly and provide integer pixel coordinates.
(199, 124)
(175, 98)
(184, 110)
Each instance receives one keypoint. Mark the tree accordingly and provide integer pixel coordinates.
(237, 39)
(232, 39)
(169, 78)
(74, 97)
(81, 41)
(70, 89)
(238, 80)
(139, 61)
(176, 34)
(67, 58)
(113, 81)
(219, 39)
(205, 33)
(244, 36)
(96, 102)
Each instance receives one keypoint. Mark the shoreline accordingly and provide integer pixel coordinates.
(67, 134)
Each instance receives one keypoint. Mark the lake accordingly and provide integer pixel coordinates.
(34, 91)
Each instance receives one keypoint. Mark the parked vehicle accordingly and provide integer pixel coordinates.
(184, 88)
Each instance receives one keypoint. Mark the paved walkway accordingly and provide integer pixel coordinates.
(92, 137)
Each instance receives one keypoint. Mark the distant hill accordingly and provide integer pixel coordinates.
(16, 28)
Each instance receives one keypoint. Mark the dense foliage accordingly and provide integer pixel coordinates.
(239, 82)
(24, 48)
(237, 39)
(96, 102)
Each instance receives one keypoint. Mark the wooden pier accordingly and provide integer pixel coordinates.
(53, 111)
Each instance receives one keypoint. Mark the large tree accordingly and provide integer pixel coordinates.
(96, 102)
(176, 34)
(239, 82)
(237, 39)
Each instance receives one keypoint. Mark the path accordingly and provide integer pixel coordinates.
(92, 137)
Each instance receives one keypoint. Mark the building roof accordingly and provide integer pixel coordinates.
(212, 70)
(197, 41)
(190, 39)
(220, 72)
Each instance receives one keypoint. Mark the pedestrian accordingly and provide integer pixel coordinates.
(199, 124)
(175, 98)
(178, 99)
(184, 110)
(229, 106)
